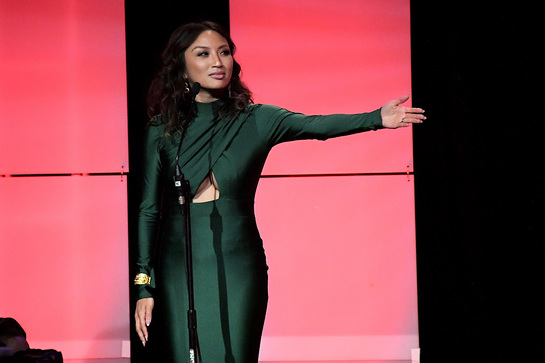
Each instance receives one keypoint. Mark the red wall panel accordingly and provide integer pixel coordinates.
(341, 250)
(63, 240)
(328, 56)
(359, 252)
(62, 97)
(62, 87)
(64, 256)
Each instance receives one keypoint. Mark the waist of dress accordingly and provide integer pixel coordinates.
(224, 207)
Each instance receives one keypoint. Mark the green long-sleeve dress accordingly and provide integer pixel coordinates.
(230, 270)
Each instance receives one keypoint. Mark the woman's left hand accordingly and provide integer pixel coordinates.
(394, 115)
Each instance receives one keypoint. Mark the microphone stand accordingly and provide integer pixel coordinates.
(184, 199)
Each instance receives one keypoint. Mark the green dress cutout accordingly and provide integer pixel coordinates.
(230, 270)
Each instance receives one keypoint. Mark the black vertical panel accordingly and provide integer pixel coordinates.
(148, 27)
(479, 181)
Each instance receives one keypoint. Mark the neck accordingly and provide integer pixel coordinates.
(207, 96)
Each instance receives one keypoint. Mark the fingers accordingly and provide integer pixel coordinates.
(413, 110)
(413, 118)
(394, 115)
(402, 99)
(412, 115)
(142, 316)
(141, 328)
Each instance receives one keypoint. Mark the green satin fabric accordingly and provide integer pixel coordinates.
(230, 270)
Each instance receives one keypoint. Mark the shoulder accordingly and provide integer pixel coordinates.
(156, 125)
(264, 111)
(157, 121)
(155, 130)
(262, 107)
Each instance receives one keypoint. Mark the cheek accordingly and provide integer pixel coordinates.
(230, 68)
(193, 69)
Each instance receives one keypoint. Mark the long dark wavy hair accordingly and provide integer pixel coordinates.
(167, 94)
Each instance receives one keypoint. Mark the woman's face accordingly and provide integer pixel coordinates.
(209, 61)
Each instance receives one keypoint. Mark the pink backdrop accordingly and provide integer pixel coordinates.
(341, 249)
(62, 87)
(64, 259)
(63, 239)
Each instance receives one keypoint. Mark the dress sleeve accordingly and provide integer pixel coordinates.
(276, 125)
(150, 208)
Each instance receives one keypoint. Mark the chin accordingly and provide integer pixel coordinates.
(216, 90)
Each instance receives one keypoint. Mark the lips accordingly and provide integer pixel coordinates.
(217, 75)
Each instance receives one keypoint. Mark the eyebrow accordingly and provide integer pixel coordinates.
(205, 47)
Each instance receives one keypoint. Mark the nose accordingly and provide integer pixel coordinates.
(216, 60)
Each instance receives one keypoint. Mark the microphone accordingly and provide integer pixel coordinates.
(195, 90)
(180, 183)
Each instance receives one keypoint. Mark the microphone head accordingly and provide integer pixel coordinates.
(196, 88)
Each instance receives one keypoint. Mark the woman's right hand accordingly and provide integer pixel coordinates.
(142, 315)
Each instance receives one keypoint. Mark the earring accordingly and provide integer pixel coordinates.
(186, 89)
(229, 90)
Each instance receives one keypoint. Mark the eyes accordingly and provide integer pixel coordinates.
(205, 53)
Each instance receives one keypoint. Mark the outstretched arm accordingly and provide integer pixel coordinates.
(394, 115)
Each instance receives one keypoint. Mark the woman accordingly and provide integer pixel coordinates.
(223, 150)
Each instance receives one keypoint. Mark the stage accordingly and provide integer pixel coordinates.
(127, 360)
